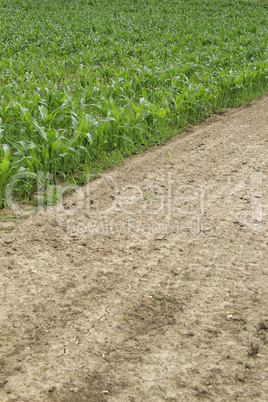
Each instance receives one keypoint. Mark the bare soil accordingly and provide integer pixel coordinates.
(151, 282)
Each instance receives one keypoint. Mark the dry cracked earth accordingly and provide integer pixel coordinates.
(151, 282)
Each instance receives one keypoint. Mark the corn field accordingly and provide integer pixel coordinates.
(81, 79)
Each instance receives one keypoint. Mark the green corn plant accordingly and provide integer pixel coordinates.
(6, 171)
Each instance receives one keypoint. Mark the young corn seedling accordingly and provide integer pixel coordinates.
(170, 158)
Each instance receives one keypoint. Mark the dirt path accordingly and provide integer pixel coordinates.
(149, 284)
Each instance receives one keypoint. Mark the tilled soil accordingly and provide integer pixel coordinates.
(151, 282)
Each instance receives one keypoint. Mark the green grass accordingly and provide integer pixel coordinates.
(85, 83)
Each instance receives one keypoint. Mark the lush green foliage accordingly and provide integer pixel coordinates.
(81, 78)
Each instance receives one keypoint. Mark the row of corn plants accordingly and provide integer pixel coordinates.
(79, 79)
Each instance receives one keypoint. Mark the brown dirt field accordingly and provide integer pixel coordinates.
(150, 283)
